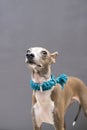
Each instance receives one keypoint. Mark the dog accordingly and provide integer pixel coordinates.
(50, 105)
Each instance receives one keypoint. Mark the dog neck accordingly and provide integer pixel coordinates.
(42, 75)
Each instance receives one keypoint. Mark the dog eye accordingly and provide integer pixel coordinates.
(44, 53)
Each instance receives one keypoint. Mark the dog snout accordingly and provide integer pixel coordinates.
(30, 56)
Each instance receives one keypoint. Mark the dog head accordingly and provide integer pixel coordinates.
(38, 58)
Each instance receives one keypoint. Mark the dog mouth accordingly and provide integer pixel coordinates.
(32, 62)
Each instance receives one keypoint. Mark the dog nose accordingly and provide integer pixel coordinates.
(30, 56)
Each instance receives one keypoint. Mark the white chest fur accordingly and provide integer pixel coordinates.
(43, 108)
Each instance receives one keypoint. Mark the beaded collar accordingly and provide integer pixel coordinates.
(61, 79)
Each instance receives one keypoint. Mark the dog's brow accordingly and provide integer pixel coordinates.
(28, 51)
(44, 52)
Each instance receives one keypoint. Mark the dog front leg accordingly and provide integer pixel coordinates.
(58, 120)
(35, 126)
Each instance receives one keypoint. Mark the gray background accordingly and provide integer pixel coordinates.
(59, 25)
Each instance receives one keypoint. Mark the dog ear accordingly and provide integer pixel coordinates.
(53, 57)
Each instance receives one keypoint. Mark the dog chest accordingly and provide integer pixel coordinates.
(43, 108)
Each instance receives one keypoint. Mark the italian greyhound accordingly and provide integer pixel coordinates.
(50, 105)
